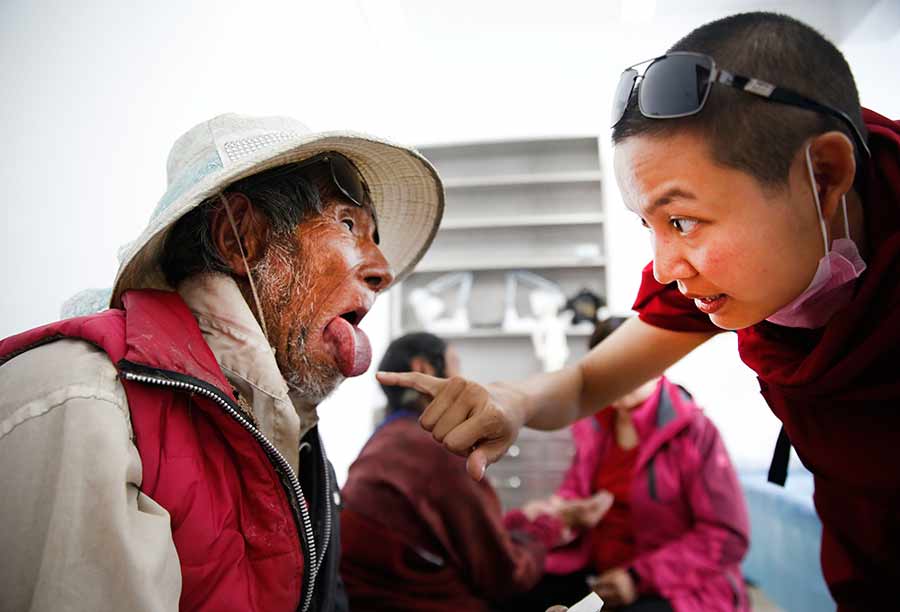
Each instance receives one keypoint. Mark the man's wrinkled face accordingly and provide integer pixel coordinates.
(315, 284)
(740, 251)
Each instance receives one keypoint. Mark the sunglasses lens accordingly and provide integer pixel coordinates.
(622, 95)
(675, 85)
(348, 179)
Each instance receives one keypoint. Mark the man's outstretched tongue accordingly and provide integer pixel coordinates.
(351, 346)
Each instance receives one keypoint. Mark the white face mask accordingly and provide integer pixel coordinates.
(832, 286)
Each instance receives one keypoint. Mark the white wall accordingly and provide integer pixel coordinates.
(95, 93)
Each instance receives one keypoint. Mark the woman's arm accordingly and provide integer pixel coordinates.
(633, 354)
(481, 422)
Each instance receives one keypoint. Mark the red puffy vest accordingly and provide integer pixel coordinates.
(236, 507)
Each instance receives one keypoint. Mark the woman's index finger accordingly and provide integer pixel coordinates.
(423, 383)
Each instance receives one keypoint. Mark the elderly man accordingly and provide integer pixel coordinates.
(163, 453)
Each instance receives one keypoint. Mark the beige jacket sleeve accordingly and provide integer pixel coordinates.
(76, 532)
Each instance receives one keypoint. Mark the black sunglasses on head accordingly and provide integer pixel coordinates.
(343, 174)
(677, 85)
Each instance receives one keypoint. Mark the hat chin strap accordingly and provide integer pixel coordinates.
(237, 237)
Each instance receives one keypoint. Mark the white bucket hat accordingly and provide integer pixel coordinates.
(405, 189)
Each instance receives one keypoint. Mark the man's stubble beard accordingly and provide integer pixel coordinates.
(281, 283)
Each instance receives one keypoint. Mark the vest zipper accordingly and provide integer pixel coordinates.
(328, 502)
(312, 561)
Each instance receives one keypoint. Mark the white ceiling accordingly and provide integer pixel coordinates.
(834, 18)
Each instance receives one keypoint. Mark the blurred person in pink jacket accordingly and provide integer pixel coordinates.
(677, 530)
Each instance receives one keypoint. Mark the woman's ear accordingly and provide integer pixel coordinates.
(250, 228)
(834, 168)
(421, 365)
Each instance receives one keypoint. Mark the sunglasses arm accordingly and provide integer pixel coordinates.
(790, 98)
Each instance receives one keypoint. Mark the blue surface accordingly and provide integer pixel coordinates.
(785, 535)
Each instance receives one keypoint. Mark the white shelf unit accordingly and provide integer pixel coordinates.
(545, 220)
(575, 331)
(461, 264)
(533, 205)
(541, 178)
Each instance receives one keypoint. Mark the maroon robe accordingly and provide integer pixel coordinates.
(419, 534)
(837, 391)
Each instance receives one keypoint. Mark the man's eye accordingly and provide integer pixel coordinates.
(644, 223)
(683, 226)
(348, 223)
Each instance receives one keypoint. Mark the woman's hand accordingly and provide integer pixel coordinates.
(577, 515)
(547, 505)
(582, 514)
(615, 587)
(469, 419)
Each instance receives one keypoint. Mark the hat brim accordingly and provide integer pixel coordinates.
(405, 189)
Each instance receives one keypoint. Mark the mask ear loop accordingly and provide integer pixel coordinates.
(262, 318)
(812, 182)
(846, 222)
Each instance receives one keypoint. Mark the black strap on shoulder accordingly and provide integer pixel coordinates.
(780, 459)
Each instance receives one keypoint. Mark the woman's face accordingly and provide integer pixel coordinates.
(739, 250)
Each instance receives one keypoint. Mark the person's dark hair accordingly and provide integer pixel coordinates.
(745, 131)
(604, 328)
(398, 358)
(286, 195)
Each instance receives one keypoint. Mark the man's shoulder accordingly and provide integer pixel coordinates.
(51, 374)
(408, 433)
(405, 446)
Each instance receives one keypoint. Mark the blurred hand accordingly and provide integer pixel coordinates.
(577, 515)
(469, 419)
(537, 507)
(557, 609)
(582, 514)
(615, 587)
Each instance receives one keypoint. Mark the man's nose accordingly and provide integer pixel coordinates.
(669, 264)
(375, 271)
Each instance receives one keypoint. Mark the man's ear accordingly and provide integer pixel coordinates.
(421, 365)
(834, 167)
(251, 231)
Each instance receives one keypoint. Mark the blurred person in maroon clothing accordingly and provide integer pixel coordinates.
(417, 532)
(772, 203)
